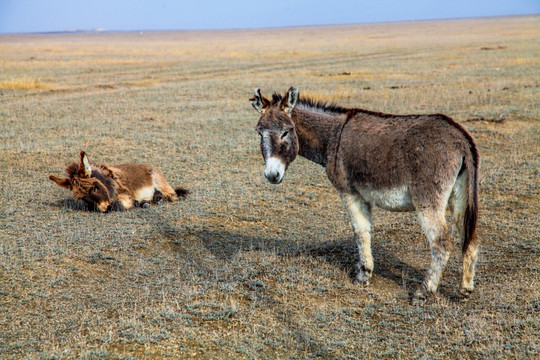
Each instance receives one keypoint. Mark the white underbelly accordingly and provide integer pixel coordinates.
(145, 194)
(396, 199)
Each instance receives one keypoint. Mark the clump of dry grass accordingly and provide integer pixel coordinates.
(26, 84)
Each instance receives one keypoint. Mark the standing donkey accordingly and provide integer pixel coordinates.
(396, 162)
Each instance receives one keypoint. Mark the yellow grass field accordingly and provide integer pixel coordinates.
(243, 269)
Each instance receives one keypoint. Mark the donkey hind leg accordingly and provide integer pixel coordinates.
(469, 262)
(434, 225)
(458, 203)
(161, 185)
(360, 217)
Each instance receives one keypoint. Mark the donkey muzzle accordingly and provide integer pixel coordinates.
(103, 206)
(275, 170)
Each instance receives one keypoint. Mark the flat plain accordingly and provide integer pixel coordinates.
(243, 269)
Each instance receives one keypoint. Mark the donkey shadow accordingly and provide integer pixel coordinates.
(81, 205)
(342, 254)
(70, 204)
(74, 205)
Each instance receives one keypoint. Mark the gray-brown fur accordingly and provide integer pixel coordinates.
(422, 163)
(118, 186)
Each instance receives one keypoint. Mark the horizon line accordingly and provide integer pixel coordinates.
(100, 30)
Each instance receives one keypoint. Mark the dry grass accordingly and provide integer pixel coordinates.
(25, 84)
(244, 269)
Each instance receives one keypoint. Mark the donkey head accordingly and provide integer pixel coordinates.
(279, 141)
(84, 185)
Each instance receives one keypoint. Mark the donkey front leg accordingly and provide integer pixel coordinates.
(360, 217)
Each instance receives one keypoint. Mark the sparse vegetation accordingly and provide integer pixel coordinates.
(242, 268)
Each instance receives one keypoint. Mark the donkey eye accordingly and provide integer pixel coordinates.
(284, 135)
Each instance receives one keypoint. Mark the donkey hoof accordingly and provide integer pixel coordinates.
(145, 205)
(362, 276)
(361, 282)
(465, 292)
(421, 294)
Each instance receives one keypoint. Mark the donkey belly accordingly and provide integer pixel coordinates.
(394, 199)
(145, 193)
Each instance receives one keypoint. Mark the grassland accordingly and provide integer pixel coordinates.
(242, 268)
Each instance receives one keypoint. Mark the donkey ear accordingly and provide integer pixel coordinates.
(290, 100)
(62, 182)
(85, 167)
(259, 102)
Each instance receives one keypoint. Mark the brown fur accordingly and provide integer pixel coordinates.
(397, 162)
(117, 187)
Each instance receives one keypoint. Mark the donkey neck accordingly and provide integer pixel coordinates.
(315, 129)
(107, 180)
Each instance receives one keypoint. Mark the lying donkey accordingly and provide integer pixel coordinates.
(117, 187)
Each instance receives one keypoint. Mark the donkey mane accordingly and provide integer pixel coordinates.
(72, 169)
(308, 103)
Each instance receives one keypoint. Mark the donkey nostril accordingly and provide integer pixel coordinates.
(272, 176)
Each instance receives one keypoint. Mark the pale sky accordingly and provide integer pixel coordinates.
(18, 16)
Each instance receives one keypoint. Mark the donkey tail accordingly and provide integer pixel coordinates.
(470, 218)
(181, 192)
